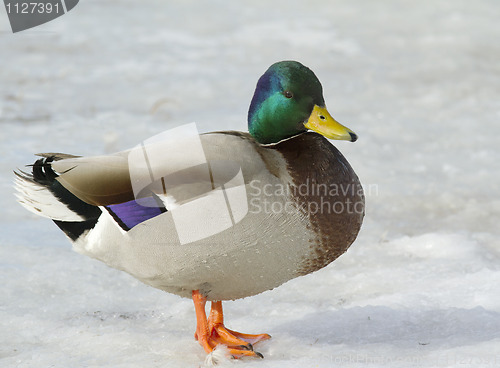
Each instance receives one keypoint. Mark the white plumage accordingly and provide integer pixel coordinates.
(38, 199)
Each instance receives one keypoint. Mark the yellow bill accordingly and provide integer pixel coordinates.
(323, 123)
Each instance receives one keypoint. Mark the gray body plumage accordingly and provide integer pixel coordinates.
(279, 238)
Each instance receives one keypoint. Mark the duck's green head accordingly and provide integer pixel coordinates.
(288, 100)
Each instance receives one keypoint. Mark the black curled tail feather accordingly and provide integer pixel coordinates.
(43, 174)
(42, 171)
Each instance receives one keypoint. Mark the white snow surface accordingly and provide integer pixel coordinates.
(418, 81)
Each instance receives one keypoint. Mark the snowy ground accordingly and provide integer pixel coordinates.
(418, 81)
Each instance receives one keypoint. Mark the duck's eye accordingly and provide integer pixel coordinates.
(288, 94)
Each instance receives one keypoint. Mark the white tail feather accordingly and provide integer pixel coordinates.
(40, 200)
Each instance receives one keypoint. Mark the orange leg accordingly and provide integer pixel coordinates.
(212, 332)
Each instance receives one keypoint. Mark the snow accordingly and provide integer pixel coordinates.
(419, 82)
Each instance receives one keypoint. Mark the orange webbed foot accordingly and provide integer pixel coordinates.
(212, 332)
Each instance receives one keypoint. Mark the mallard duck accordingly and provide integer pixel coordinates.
(302, 204)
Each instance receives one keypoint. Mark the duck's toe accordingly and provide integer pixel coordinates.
(212, 333)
